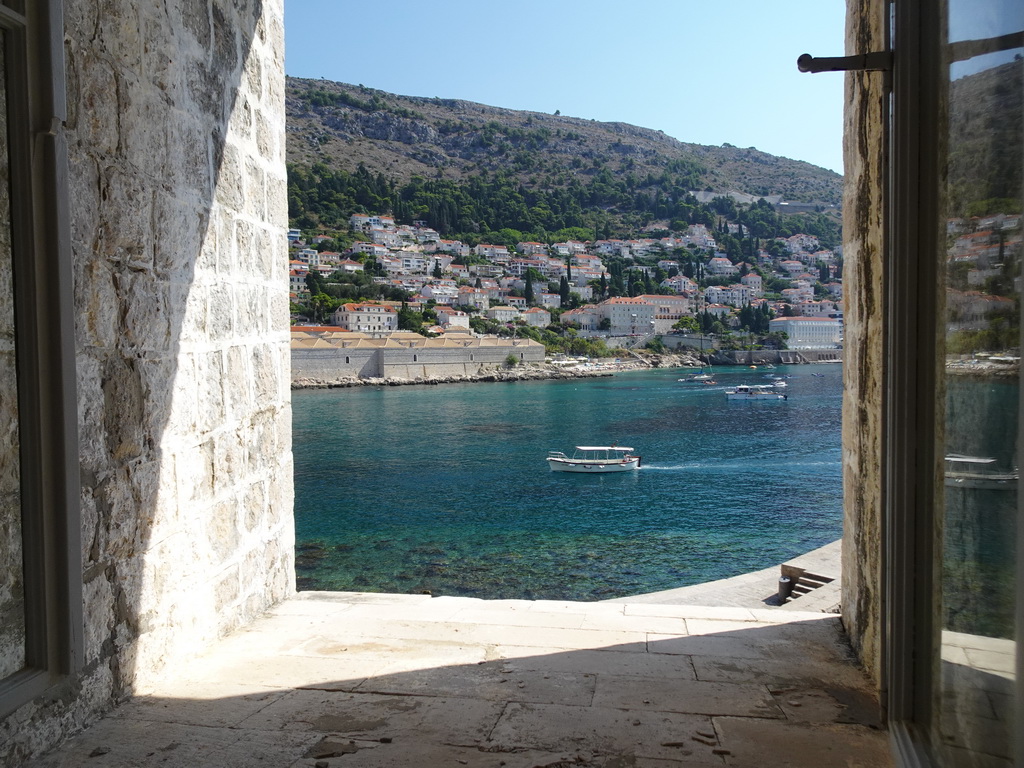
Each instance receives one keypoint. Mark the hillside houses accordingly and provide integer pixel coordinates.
(489, 280)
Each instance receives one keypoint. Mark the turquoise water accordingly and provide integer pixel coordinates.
(445, 488)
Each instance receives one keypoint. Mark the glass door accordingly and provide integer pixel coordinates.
(981, 145)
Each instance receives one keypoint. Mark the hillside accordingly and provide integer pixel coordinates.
(403, 136)
(541, 173)
(986, 136)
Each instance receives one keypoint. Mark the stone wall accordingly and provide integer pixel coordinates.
(331, 364)
(406, 363)
(178, 194)
(864, 139)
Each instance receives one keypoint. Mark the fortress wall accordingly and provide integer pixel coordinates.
(406, 363)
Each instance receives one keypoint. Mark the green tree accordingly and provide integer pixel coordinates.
(686, 325)
(528, 293)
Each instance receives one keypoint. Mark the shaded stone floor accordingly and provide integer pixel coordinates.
(373, 680)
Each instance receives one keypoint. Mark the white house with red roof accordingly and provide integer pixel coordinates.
(679, 284)
(371, 249)
(718, 310)
(550, 300)
(454, 247)
(492, 252)
(537, 317)
(735, 295)
(754, 282)
(586, 318)
(531, 248)
(627, 316)
(721, 267)
(452, 318)
(473, 297)
(349, 267)
(502, 314)
(366, 318)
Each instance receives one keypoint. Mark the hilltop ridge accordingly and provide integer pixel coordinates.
(402, 137)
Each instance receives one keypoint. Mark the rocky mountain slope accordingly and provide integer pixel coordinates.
(401, 137)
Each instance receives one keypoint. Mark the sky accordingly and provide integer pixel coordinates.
(702, 71)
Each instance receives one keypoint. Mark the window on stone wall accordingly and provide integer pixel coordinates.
(40, 567)
(12, 571)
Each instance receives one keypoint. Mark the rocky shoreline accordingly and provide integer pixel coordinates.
(535, 372)
(999, 368)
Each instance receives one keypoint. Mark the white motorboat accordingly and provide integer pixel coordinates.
(754, 392)
(594, 458)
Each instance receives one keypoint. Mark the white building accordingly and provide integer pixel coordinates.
(809, 332)
(753, 281)
(367, 318)
(502, 314)
(733, 295)
(452, 318)
(628, 316)
(721, 266)
(492, 252)
(537, 317)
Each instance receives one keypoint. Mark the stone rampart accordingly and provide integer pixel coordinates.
(414, 361)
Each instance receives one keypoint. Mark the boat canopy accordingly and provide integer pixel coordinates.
(603, 448)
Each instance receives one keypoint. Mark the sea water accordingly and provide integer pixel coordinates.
(444, 489)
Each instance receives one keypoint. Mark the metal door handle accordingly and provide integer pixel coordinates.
(863, 62)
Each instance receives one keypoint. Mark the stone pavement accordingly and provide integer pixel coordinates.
(371, 680)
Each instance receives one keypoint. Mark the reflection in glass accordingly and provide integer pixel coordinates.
(12, 582)
(984, 108)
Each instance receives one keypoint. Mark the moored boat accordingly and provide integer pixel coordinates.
(594, 458)
(754, 392)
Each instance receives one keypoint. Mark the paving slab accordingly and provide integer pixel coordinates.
(606, 731)
(373, 717)
(491, 681)
(120, 743)
(594, 662)
(808, 672)
(690, 696)
(754, 743)
(217, 705)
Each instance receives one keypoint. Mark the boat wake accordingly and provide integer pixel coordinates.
(731, 467)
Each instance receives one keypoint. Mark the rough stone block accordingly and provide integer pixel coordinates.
(229, 190)
(145, 139)
(94, 108)
(96, 303)
(192, 172)
(256, 190)
(227, 590)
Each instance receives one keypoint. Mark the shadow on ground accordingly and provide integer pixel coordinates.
(338, 679)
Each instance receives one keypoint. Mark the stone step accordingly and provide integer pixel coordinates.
(809, 576)
(812, 583)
